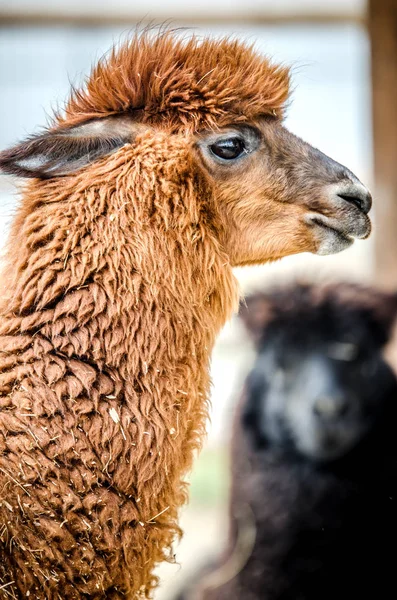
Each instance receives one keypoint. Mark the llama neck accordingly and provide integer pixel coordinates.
(113, 296)
(123, 274)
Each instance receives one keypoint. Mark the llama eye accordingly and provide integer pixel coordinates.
(342, 351)
(229, 148)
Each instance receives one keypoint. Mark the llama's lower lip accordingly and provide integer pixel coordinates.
(330, 239)
(344, 236)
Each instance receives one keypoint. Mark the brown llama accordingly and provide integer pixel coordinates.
(167, 169)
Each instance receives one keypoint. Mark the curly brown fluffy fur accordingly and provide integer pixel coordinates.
(180, 84)
(114, 289)
(107, 330)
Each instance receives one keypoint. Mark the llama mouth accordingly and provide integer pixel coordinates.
(341, 234)
(331, 240)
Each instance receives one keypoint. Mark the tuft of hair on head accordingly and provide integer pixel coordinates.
(181, 82)
(377, 308)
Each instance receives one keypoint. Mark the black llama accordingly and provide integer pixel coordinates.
(313, 512)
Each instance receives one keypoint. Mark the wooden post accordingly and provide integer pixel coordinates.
(383, 32)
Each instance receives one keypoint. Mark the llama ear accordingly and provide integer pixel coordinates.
(377, 307)
(255, 312)
(384, 312)
(65, 150)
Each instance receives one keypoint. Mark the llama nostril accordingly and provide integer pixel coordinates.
(356, 194)
(327, 407)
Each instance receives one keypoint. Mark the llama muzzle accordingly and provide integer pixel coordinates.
(350, 202)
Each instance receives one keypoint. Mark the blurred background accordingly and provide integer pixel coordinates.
(343, 55)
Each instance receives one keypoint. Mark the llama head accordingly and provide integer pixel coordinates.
(320, 382)
(273, 194)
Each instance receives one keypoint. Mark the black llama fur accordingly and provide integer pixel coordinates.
(313, 507)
